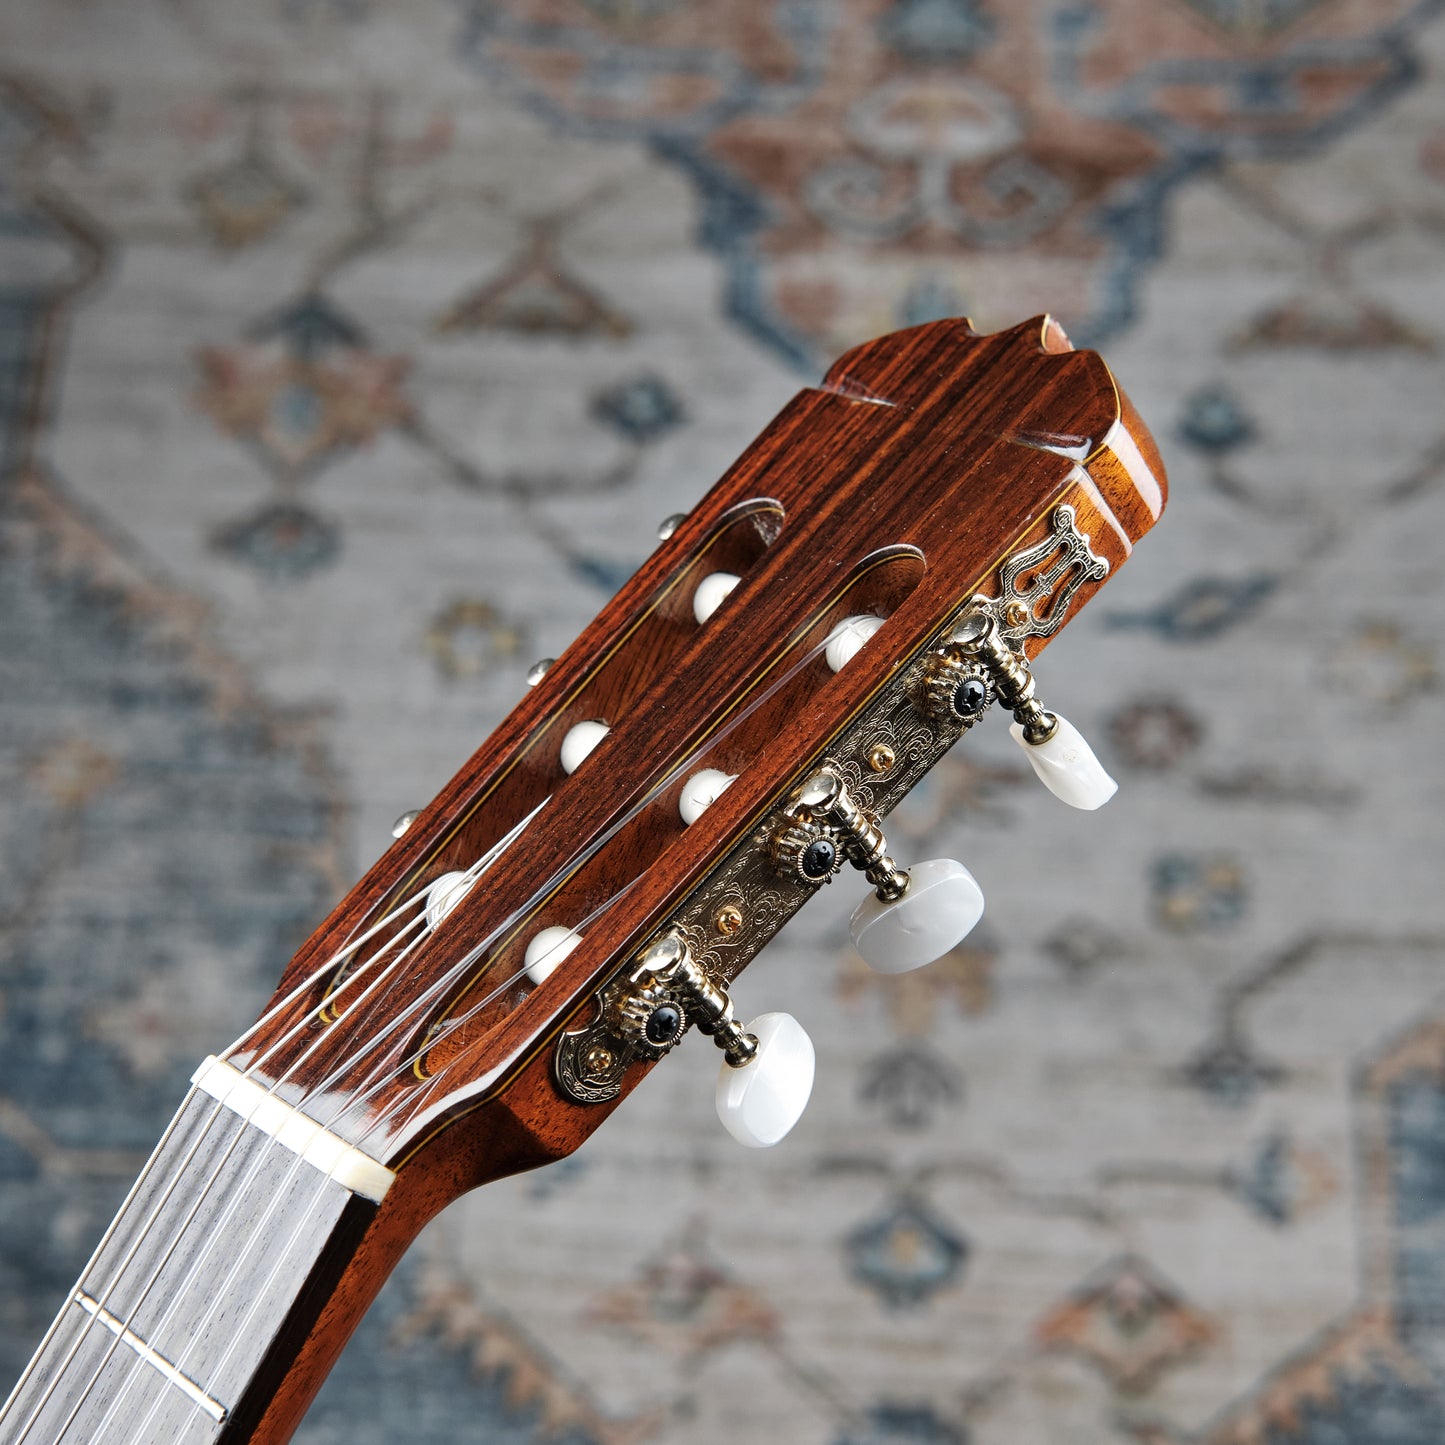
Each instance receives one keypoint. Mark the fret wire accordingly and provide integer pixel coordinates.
(104, 1297)
(149, 1224)
(320, 1090)
(438, 986)
(258, 1236)
(191, 1275)
(95, 1256)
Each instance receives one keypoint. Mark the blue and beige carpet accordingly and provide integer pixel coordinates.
(349, 352)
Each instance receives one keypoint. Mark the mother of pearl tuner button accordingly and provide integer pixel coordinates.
(847, 639)
(580, 740)
(701, 791)
(1066, 765)
(759, 1101)
(546, 949)
(912, 917)
(711, 592)
(935, 913)
(1058, 754)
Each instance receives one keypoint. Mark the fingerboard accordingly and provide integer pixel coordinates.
(218, 1264)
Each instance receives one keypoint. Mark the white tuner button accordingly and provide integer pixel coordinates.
(546, 949)
(443, 894)
(1066, 765)
(937, 912)
(701, 791)
(759, 1101)
(711, 593)
(580, 740)
(846, 640)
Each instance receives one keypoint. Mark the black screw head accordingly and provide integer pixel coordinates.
(970, 698)
(818, 859)
(664, 1024)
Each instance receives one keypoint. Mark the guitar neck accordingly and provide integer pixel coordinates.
(194, 1309)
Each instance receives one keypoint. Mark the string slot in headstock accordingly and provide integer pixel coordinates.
(440, 841)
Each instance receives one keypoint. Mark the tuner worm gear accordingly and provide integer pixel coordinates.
(650, 1019)
(957, 691)
(811, 855)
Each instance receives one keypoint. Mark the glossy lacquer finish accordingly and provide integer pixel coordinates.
(895, 489)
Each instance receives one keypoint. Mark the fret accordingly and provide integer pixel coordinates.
(218, 1263)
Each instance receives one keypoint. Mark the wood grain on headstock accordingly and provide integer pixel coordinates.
(896, 486)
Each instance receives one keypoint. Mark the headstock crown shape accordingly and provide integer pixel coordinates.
(879, 566)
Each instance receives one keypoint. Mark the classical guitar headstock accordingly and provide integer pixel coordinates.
(876, 570)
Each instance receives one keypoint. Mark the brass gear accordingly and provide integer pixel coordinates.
(650, 1020)
(809, 855)
(956, 691)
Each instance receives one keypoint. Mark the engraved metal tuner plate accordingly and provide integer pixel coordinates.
(638, 1018)
(681, 978)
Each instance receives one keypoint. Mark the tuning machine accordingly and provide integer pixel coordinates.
(1056, 750)
(766, 1075)
(912, 917)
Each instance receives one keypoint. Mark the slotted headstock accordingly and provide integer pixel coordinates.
(947, 483)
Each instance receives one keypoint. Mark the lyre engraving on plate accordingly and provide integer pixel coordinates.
(1051, 572)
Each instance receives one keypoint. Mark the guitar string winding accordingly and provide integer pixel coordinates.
(382, 1075)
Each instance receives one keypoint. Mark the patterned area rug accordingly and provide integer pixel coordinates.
(348, 349)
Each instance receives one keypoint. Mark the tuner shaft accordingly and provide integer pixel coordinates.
(979, 637)
(823, 808)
